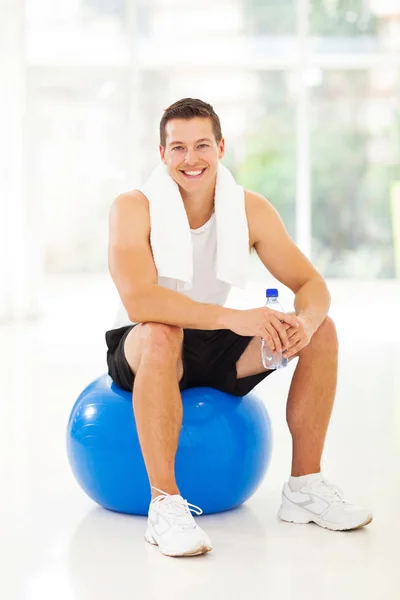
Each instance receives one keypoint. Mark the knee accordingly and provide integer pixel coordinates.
(326, 333)
(162, 338)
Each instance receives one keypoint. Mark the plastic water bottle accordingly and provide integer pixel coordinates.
(272, 360)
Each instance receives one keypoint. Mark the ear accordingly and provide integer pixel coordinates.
(162, 153)
(221, 149)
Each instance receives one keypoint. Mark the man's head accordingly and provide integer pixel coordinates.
(190, 142)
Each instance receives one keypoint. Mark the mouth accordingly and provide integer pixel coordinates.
(193, 173)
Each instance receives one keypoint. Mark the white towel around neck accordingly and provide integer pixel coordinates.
(170, 236)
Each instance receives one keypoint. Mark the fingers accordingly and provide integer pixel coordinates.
(294, 349)
(278, 329)
(273, 334)
(278, 335)
(286, 318)
(288, 347)
(275, 322)
(269, 341)
(283, 317)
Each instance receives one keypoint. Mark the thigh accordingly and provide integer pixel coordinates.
(132, 345)
(250, 362)
(210, 359)
(118, 367)
(207, 353)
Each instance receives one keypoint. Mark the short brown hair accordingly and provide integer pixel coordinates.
(189, 108)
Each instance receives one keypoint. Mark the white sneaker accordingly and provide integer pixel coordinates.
(172, 527)
(322, 503)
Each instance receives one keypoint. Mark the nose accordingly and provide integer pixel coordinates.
(191, 157)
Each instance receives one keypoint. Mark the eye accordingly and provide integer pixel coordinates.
(203, 145)
(177, 147)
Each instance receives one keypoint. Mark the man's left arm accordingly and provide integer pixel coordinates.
(285, 261)
(312, 301)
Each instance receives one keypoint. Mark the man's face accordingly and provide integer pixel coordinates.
(191, 152)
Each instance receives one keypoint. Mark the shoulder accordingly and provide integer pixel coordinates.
(261, 214)
(129, 211)
(254, 200)
(131, 203)
(130, 200)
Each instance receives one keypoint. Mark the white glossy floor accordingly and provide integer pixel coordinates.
(56, 543)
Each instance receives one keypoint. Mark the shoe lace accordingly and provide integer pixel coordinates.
(328, 490)
(178, 509)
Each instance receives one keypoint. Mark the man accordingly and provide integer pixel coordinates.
(157, 348)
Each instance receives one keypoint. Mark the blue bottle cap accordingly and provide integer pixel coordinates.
(272, 293)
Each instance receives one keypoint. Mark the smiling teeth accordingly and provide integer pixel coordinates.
(193, 172)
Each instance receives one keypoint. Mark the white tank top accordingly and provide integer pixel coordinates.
(205, 286)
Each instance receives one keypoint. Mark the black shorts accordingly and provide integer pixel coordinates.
(209, 359)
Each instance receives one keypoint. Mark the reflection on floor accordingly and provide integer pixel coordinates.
(56, 543)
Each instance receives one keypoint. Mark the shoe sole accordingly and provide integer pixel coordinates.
(292, 516)
(200, 550)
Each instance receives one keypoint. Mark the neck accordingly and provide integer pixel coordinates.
(199, 205)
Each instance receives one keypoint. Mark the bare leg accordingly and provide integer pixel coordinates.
(311, 394)
(311, 398)
(153, 351)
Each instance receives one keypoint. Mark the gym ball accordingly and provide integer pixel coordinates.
(224, 448)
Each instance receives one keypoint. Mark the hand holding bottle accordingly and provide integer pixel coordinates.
(263, 322)
(274, 357)
(300, 336)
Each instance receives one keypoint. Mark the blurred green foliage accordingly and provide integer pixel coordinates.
(341, 18)
(354, 161)
(327, 17)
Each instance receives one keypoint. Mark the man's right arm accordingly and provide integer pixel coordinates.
(134, 273)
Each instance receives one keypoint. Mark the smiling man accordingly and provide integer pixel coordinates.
(157, 347)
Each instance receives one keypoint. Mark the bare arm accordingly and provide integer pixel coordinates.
(134, 273)
(312, 302)
(286, 262)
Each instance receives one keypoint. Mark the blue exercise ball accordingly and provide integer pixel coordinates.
(224, 448)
